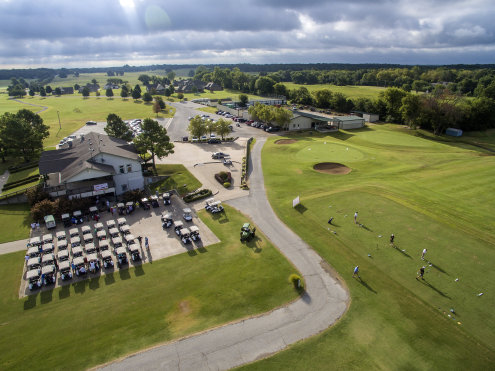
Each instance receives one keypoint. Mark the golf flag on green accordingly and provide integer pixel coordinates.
(295, 201)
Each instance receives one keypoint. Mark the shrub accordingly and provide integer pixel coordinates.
(296, 280)
(226, 184)
(35, 195)
(223, 177)
(20, 182)
(17, 168)
(202, 193)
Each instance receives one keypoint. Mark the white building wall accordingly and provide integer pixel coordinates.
(126, 180)
(351, 124)
(300, 123)
(371, 117)
(87, 174)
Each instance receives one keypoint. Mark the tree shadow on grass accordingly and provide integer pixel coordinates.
(300, 208)
(426, 283)
(124, 274)
(360, 280)
(30, 302)
(109, 278)
(64, 292)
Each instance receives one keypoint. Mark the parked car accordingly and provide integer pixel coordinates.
(185, 139)
(194, 139)
(91, 123)
(214, 141)
(218, 155)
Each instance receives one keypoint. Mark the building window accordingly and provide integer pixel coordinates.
(124, 187)
(129, 168)
(122, 169)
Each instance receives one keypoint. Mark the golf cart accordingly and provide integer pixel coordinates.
(49, 274)
(145, 203)
(103, 245)
(110, 224)
(34, 278)
(73, 232)
(121, 208)
(77, 252)
(114, 232)
(101, 235)
(178, 225)
(62, 245)
(125, 229)
(34, 242)
(75, 241)
(93, 210)
(213, 206)
(187, 214)
(77, 215)
(33, 252)
(85, 230)
(65, 272)
(184, 235)
(134, 251)
(154, 201)
(79, 266)
(66, 220)
(90, 248)
(94, 263)
(88, 238)
(129, 207)
(50, 222)
(130, 239)
(247, 233)
(48, 238)
(99, 227)
(63, 256)
(121, 222)
(167, 199)
(227, 161)
(166, 220)
(195, 233)
(48, 248)
(121, 257)
(117, 242)
(61, 236)
(106, 257)
(48, 259)
(33, 263)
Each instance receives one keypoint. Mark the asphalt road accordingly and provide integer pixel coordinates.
(228, 346)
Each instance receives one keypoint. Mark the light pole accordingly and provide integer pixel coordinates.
(59, 124)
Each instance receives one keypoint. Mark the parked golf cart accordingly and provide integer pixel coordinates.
(103, 245)
(101, 235)
(33, 263)
(79, 266)
(50, 222)
(129, 206)
(73, 232)
(114, 232)
(116, 242)
(75, 241)
(85, 229)
(48, 259)
(48, 248)
(106, 257)
(34, 242)
(184, 235)
(187, 214)
(125, 229)
(62, 256)
(121, 222)
(154, 201)
(227, 161)
(110, 224)
(93, 263)
(48, 238)
(247, 233)
(178, 225)
(88, 238)
(33, 252)
(66, 220)
(121, 208)
(61, 236)
(93, 210)
(77, 217)
(145, 203)
(33, 276)
(129, 239)
(166, 220)
(62, 245)
(134, 251)
(90, 248)
(167, 199)
(195, 233)
(121, 257)
(213, 206)
(65, 272)
(99, 227)
(77, 252)
(49, 274)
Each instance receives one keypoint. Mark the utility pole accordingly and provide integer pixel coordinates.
(59, 124)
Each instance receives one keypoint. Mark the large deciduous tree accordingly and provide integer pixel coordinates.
(147, 97)
(117, 128)
(222, 127)
(197, 127)
(154, 139)
(85, 92)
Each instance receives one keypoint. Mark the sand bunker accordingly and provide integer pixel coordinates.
(331, 168)
(285, 141)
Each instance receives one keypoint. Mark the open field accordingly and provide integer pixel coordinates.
(75, 111)
(178, 176)
(430, 194)
(15, 221)
(226, 93)
(98, 320)
(350, 91)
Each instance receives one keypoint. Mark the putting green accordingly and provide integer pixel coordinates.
(322, 151)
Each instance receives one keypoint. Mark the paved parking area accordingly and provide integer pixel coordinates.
(145, 223)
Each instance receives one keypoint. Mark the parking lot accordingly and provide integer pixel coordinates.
(144, 223)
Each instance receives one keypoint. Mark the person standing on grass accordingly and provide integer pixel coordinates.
(392, 238)
(355, 217)
(423, 254)
(421, 273)
(356, 272)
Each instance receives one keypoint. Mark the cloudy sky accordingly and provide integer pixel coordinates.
(69, 33)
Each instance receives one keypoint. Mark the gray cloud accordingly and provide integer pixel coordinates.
(94, 32)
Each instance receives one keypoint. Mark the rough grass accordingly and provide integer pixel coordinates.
(208, 109)
(351, 91)
(178, 176)
(98, 320)
(430, 194)
(15, 222)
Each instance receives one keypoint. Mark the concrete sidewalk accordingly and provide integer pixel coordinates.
(248, 340)
(13, 246)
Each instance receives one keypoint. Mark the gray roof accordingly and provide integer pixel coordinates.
(72, 161)
(347, 118)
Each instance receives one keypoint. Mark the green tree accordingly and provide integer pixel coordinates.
(154, 139)
(411, 110)
(211, 127)
(393, 99)
(147, 97)
(171, 76)
(31, 92)
(180, 96)
(280, 89)
(222, 127)
(323, 98)
(42, 92)
(197, 127)
(301, 96)
(136, 93)
(124, 92)
(282, 116)
(156, 107)
(117, 128)
(109, 93)
(76, 87)
(48, 89)
(171, 89)
(243, 100)
(160, 101)
(145, 79)
(264, 85)
(85, 92)
(16, 90)
(58, 91)
(94, 81)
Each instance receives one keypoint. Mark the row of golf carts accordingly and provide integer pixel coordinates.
(186, 234)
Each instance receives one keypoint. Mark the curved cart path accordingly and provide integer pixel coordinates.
(247, 340)
(31, 104)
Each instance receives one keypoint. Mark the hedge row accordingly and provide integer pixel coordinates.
(245, 161)
(27, 180)
(202, 193)
(17, 168)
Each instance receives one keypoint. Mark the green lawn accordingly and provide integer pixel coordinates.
(430, 194)
(15, 220)
(21, 175)
(178, 176)
(95, 321)
(222, 94)
(75, 111)
(208, 109)
(351, 91)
